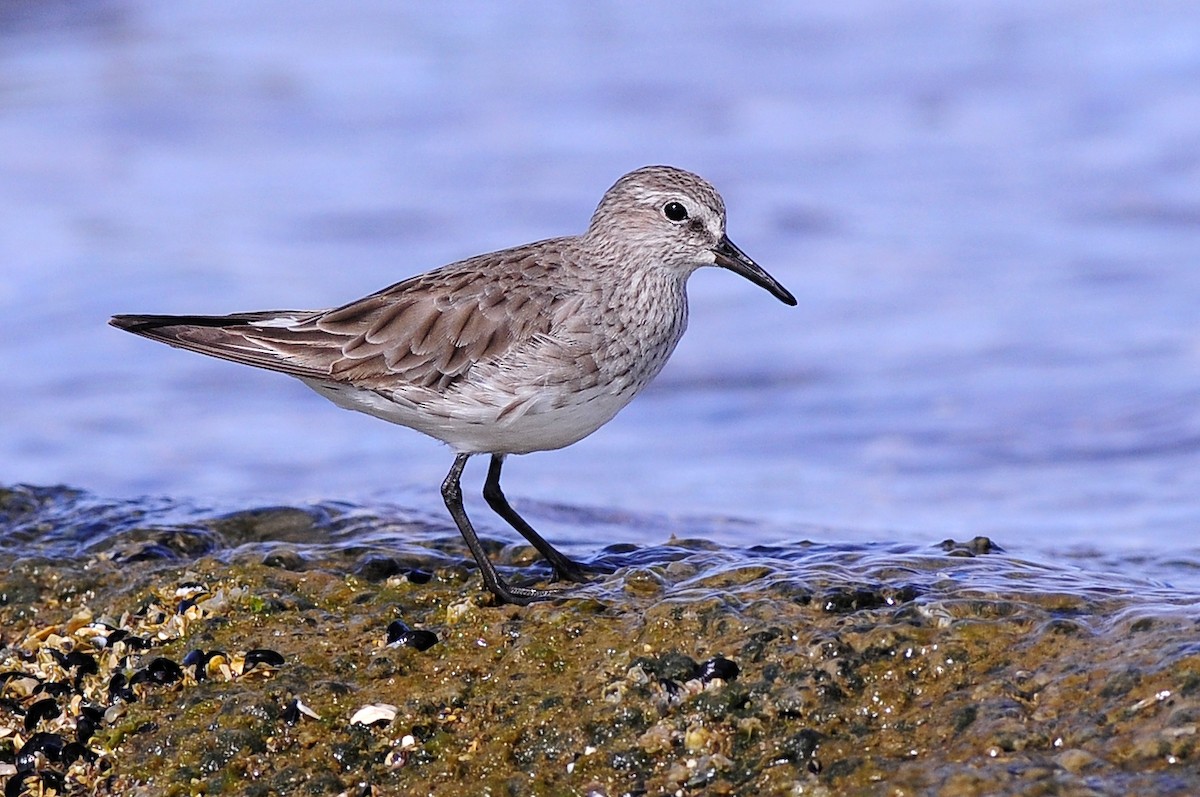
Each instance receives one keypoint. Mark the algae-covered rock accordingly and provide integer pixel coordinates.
(805, 670)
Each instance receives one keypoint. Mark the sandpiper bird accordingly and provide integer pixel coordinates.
(526, 349)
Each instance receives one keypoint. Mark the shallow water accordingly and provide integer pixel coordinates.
(988, 213)
(693, 559)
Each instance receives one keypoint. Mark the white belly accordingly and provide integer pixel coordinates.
(540, 422)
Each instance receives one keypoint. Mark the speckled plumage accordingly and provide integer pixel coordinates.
(526, 349)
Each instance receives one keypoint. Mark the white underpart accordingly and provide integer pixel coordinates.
(529, 423)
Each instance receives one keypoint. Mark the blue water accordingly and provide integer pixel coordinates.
(988, 211)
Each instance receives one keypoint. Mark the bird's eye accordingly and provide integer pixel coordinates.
(675, 211)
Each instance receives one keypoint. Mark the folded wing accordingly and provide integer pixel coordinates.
(428, 332)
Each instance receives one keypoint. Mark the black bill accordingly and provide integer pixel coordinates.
(730, 257)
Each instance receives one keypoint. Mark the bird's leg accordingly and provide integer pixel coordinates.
(452, 495)
(563, 566)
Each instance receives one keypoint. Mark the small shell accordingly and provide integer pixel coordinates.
(398, 633)
(293, 711)
(190, 590)
(718, 667)
(305, 710)
(377, 712)
(265, 656)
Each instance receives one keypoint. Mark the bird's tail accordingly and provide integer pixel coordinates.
(227, 337)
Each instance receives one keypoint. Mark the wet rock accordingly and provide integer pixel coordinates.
(845, 601)
(672, 666)
(721, 703)
(273, 525)
(1076, 761)
(418, 576)
(978, 546)
(286, 558)
(975, 684)
(379, 568)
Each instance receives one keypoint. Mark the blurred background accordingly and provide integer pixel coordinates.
(989, 212)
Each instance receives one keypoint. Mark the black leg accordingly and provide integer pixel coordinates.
(452, 495)
(563, 566)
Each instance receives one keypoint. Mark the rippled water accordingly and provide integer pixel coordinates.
(988, 212)
(687, 565)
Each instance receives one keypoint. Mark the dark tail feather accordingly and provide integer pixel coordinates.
(143, 324)
(226, 337)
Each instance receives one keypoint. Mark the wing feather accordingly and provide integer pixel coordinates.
(426, 331)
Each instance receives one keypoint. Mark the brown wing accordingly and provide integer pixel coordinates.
(426, 331)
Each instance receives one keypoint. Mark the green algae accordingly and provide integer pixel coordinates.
(850, 683)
